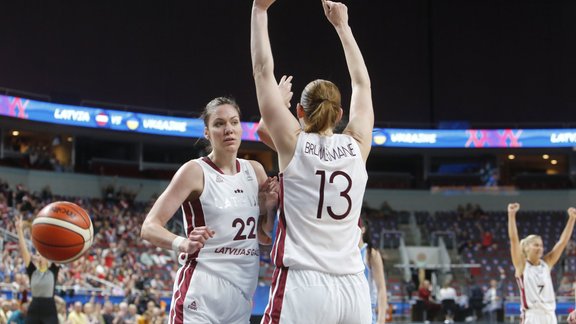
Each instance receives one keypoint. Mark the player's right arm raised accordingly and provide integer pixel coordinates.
(282, 126)
(518, 258)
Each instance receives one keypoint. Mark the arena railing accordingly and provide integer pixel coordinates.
(8, 236)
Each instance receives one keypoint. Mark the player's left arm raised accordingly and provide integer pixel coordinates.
(552, 257)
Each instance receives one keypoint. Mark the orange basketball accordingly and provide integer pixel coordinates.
(62, 232)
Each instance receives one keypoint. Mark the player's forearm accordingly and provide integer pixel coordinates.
(264, 134)
(382, 306)
(157, 235)
(356, 66)
(262, 60)
(267, 214)
(512, 228)
(268, 224)
(567, 232)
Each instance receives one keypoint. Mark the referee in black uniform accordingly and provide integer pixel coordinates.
(43, 275)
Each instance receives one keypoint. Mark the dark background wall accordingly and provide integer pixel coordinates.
(489, 62)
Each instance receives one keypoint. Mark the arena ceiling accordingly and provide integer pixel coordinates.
(488, 63)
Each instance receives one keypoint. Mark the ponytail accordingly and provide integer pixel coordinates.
(321, 102)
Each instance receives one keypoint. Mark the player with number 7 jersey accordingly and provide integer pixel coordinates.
(532, 269)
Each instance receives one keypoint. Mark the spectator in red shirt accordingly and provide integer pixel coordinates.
(425, 294)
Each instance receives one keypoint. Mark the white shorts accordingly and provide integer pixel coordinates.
(203, 298)
(536, 316)
(305, 296)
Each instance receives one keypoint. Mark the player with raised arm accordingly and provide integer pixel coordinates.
(532, 269)
(319, 273)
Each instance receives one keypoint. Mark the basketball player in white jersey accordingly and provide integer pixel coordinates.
(224, 220)
(532, 269)
(319, 274)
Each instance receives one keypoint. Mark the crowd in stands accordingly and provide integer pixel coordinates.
(128, 280)
(40, 154)
(118, 264)
(477, 237)
(94, 311)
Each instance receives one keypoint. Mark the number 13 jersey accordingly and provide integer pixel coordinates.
(229, 206)
(321, 195)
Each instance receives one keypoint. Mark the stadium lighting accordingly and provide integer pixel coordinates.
(15, 133)
(554, 162)
(545, 156)
(511, 157)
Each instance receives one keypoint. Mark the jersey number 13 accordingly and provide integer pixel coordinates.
(344, 194)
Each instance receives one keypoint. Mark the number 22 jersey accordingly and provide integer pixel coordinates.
(321, 195)
(229, 206)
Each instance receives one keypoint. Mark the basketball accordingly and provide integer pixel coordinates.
(62, 231)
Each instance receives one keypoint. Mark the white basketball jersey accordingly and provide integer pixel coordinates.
(322, 190)
(229, 206)
(536, 290)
